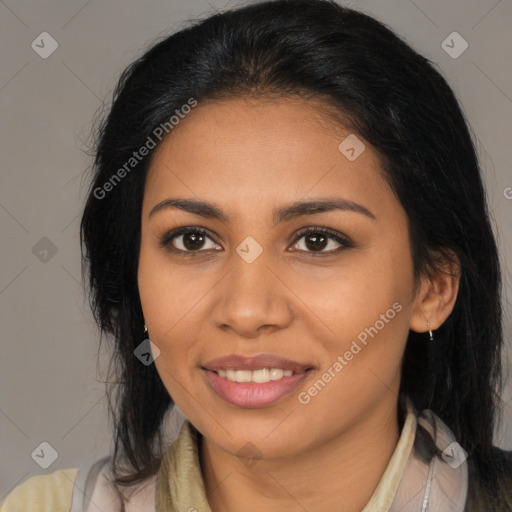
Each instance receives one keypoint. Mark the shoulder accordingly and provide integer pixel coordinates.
(42, 493)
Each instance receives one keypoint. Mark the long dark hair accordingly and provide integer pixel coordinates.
(377, 86)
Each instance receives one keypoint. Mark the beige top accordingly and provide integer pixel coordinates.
(178, 485)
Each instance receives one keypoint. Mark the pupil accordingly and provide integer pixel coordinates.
(318, 241)
(195, 239)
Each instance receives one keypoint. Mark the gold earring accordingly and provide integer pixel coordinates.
(430, 332)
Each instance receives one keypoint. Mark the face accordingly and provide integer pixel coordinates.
(240, 291)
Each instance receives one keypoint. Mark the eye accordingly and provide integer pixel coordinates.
(188, 239)
(318, 238)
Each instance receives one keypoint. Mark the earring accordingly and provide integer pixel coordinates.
(145, 328)
(430, 332)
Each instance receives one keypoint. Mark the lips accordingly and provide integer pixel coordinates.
(255, 394)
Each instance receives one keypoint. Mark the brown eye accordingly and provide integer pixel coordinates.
(188, 239)
(192, 240)
(318, 239)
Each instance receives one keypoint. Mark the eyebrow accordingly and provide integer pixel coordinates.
(279, 215)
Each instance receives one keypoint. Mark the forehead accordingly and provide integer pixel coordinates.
(249, 151)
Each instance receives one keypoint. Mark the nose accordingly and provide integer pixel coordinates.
(252, 299)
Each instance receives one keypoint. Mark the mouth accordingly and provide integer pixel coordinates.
(257, 381)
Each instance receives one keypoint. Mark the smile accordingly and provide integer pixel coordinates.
(256, 388)
(258, 376)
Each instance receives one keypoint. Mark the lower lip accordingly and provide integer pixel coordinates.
(252, 394)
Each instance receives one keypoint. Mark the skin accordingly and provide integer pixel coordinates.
(249, 157)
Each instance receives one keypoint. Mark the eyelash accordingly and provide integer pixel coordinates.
(345, 243)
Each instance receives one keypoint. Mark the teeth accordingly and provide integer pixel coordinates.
(276, 373)
(243, 376)
(261, 375)
(258, 376)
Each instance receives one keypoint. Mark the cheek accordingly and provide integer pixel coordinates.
(367, 307)
(171, 298)
(168, 311)
(362, 356)
(167, 294)
(356, 294)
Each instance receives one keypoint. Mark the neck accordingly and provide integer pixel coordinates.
(341, 474)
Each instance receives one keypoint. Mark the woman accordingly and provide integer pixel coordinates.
(287, 202)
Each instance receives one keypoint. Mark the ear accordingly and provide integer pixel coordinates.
(436, 295)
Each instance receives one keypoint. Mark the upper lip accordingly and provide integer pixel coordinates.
(239, 362)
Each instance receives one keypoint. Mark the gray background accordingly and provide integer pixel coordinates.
(51, 387)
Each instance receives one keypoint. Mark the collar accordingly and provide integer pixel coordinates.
(387, 487)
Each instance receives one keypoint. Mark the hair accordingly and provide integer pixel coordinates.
(377, 86)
